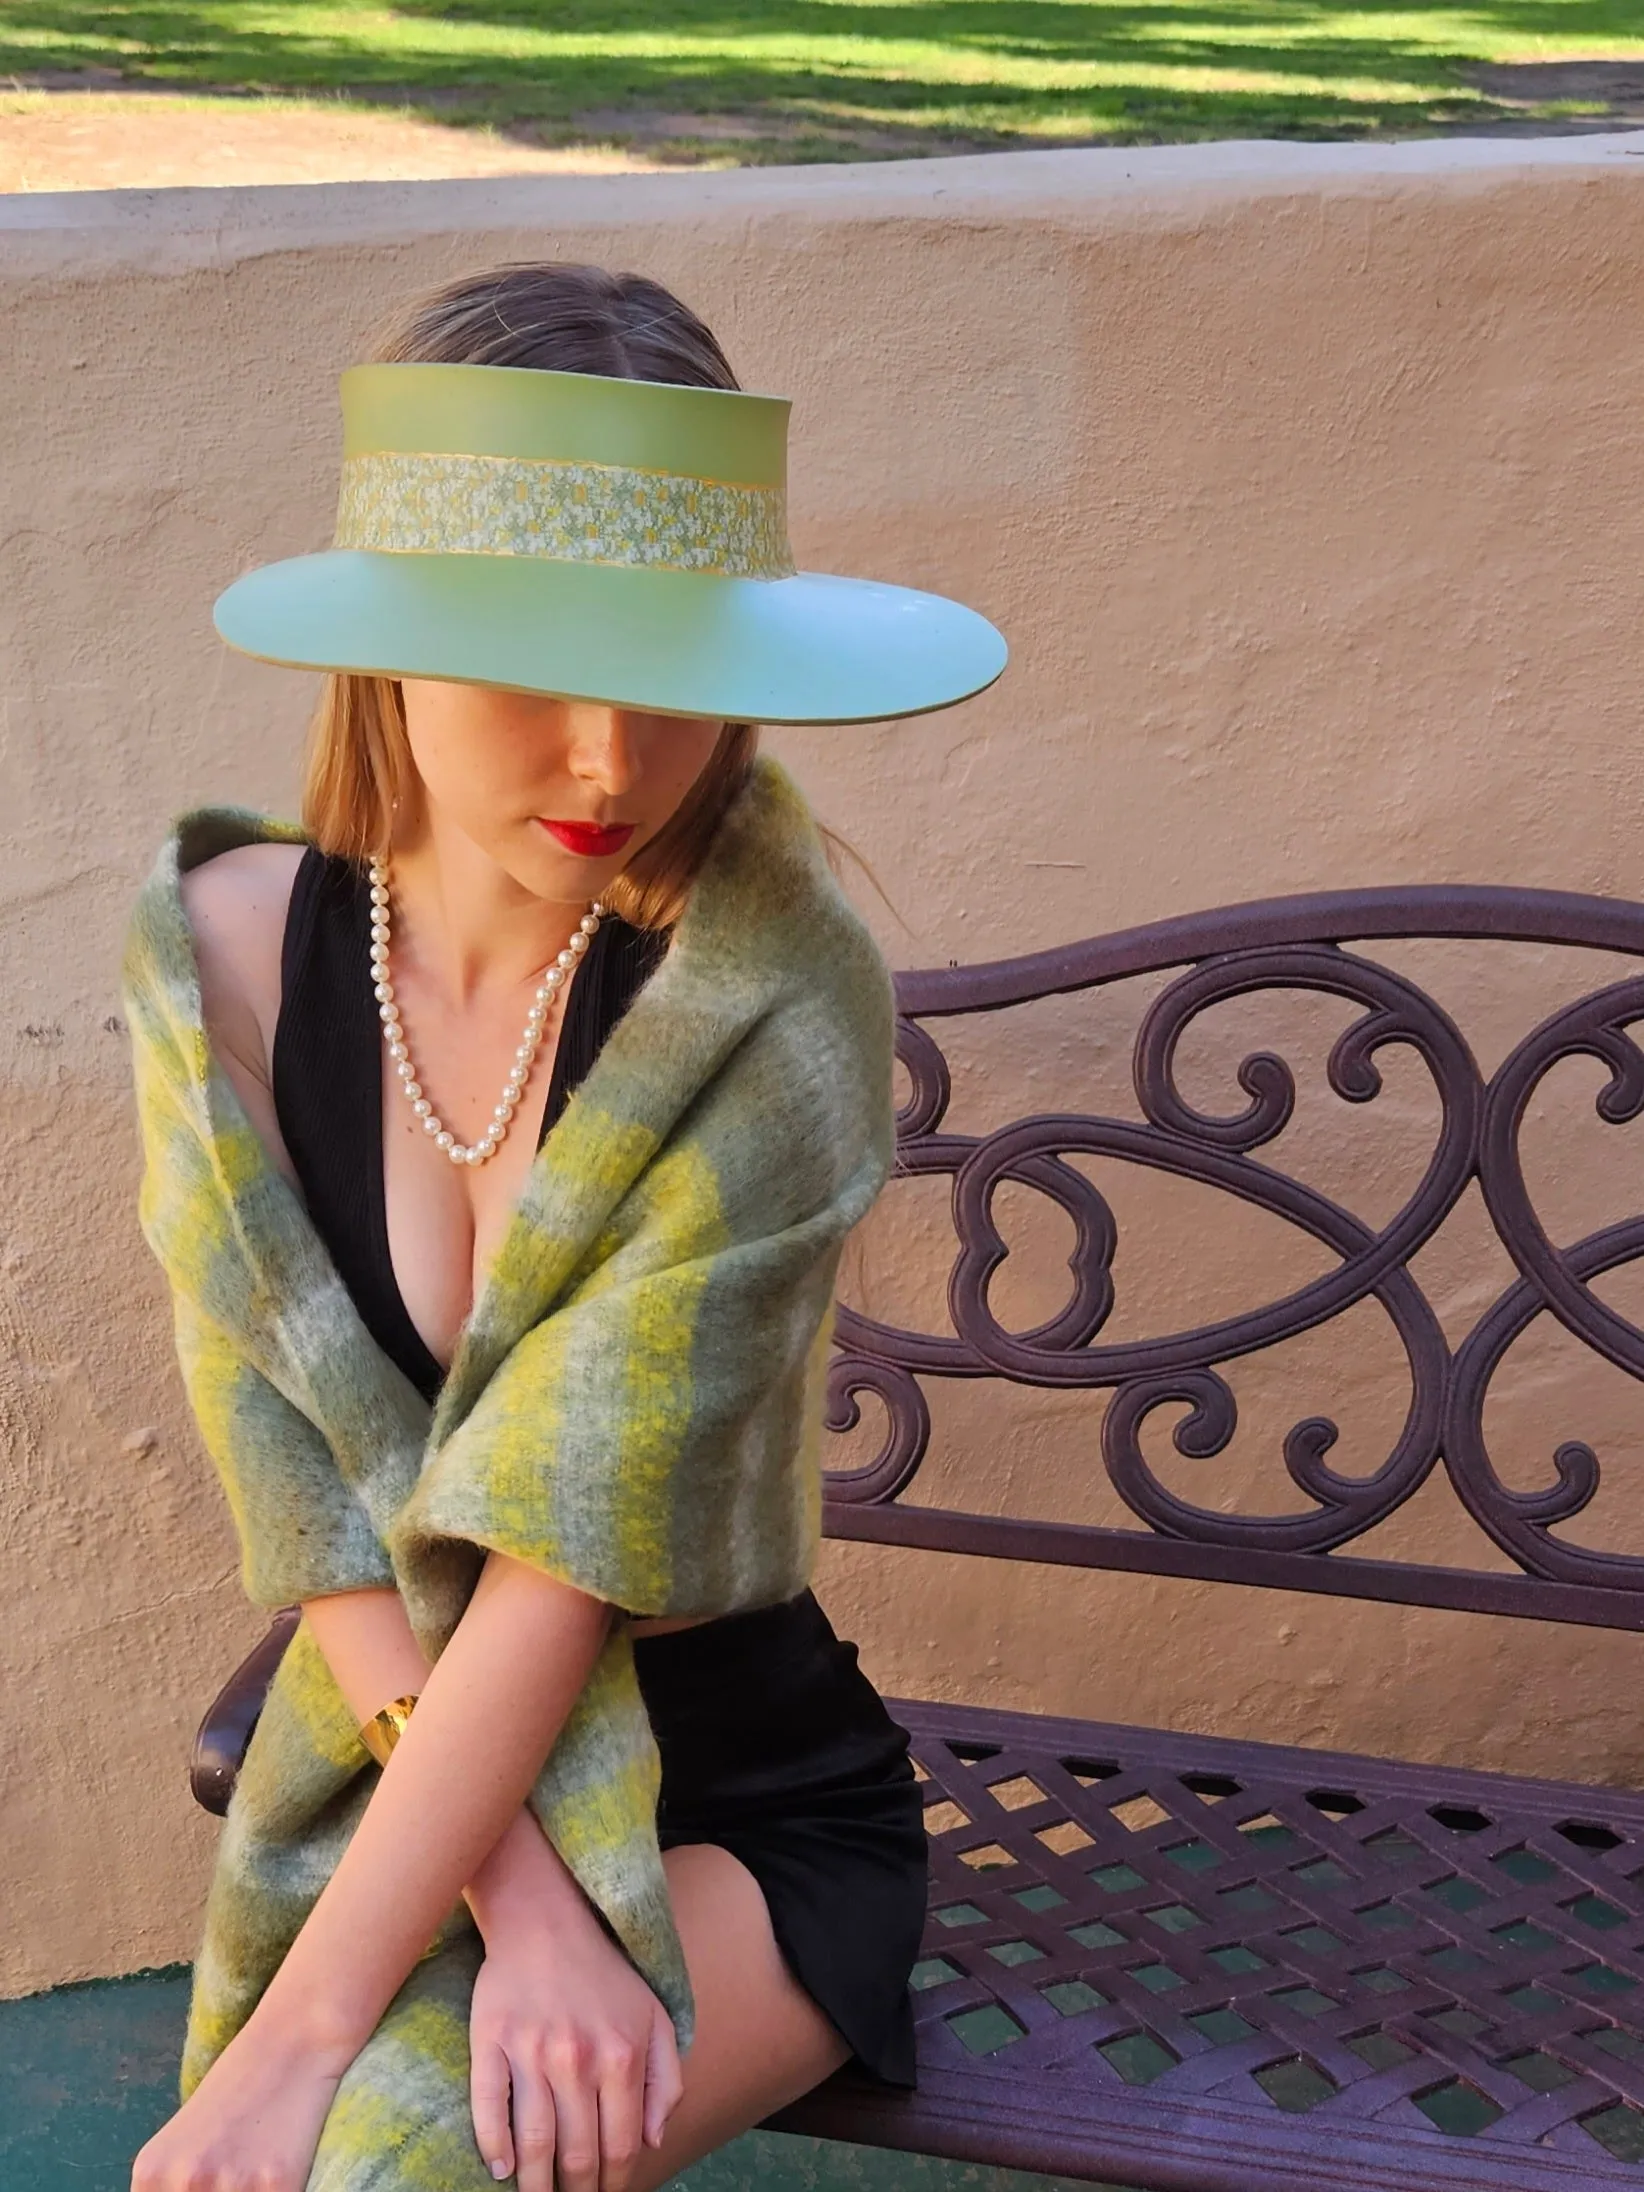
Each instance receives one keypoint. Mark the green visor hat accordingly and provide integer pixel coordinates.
(623, 541)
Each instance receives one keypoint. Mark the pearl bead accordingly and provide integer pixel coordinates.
(525, 1053)
(385, 992)
(422, 1107)
(398, 1052)
(403, 1066)
(413, 1087)
(445, 1139)
(503, 1113)
(588, 923)
(484, 1147)
(430, 1125)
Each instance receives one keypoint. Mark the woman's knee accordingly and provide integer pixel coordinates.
(402, 2120)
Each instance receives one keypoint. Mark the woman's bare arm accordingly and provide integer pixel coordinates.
(488, 1714)
(367, 1641)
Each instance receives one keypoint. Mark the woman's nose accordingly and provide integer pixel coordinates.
(602, 748)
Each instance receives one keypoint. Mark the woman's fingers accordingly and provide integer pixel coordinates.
(621, 2112)
(488, 2091)
(572, 2066)
(664, 2080)
(208, 2173)
(569, 2104)
(536, 2129)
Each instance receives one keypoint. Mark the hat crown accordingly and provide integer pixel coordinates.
(719, 435)
(487, 460)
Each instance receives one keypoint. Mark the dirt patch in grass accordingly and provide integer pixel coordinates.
(81, 129)
(142, 140)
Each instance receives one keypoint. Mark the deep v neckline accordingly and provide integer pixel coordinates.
(432, 1373)
(331, 1102)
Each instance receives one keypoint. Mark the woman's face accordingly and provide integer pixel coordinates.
(561, 794)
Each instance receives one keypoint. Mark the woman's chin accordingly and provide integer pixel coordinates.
(561, 878)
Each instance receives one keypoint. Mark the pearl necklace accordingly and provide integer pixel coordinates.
(393, 1031)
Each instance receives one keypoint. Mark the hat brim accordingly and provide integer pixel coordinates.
(806, 649)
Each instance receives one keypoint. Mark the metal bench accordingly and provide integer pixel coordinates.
(1176, 1961)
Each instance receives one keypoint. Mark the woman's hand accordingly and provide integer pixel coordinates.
(250, 2125)
(574, 2065)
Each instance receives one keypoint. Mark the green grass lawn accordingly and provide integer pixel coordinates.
(735, 80)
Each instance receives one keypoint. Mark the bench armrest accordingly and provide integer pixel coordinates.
(225, 1731)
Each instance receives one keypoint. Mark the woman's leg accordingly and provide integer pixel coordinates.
(760, 2039)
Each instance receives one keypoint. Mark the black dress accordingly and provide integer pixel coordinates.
(774, 1743)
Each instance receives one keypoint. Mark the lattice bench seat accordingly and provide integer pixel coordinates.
(1170, 1960)
(1195, 1965)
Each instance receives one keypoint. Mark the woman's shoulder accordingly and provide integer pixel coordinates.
(236, 904)
(239, 890)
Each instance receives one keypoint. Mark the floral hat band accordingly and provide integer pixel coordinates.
(615, 540)
(414, 503)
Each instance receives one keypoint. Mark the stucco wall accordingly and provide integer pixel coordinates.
(1306, 484)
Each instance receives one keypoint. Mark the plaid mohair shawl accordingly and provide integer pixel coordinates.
(634, 1405)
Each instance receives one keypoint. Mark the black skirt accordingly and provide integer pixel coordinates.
(777, 1747)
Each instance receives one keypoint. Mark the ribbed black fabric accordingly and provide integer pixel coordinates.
(327, 1069)
(774, 1743)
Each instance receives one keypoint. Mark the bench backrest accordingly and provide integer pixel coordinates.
(1278, 945)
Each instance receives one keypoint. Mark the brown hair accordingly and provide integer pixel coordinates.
(566, 319)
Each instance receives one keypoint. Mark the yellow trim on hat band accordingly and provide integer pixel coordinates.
(413, 503)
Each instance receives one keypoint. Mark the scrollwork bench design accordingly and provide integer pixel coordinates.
(1186, 1962)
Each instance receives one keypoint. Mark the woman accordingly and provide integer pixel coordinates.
(571, 1840)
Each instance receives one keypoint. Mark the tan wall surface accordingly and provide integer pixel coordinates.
(1306, 484)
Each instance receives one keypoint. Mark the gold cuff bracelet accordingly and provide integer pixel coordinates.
(384, 1729)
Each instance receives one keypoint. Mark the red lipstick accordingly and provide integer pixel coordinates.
(594, 840)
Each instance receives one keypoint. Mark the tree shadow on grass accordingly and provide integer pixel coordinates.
(811, 79)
